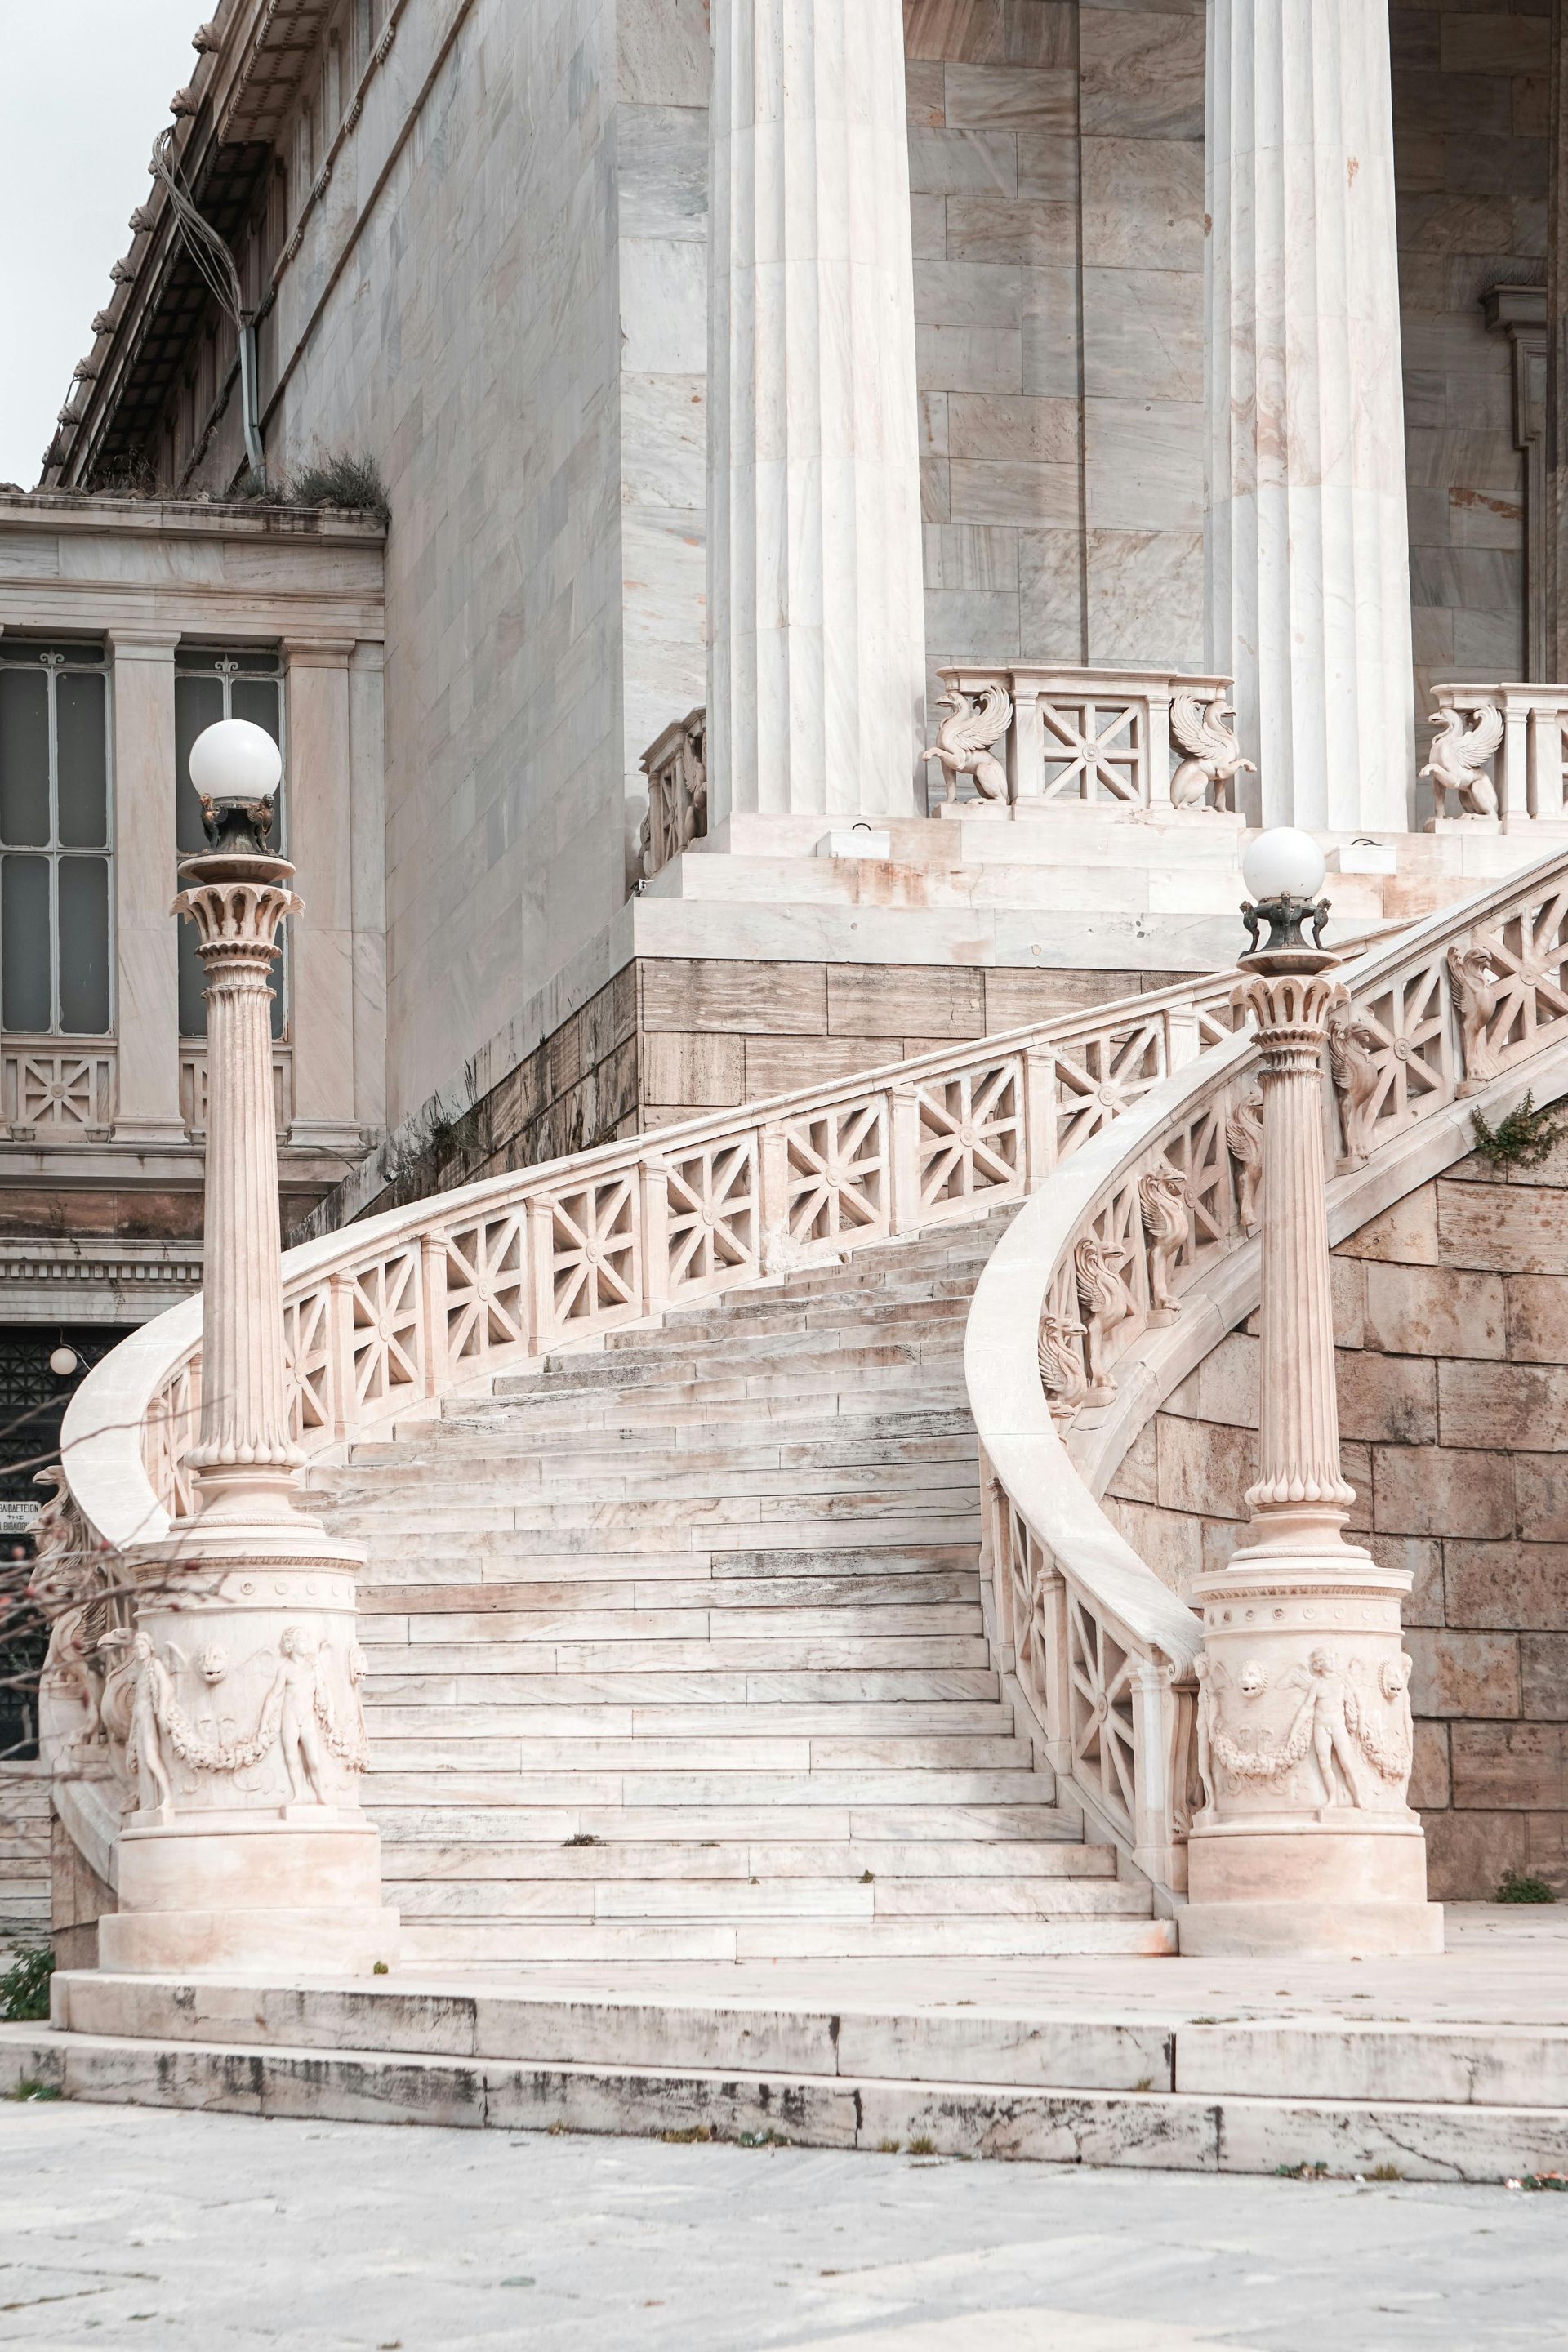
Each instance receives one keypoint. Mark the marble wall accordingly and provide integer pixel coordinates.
(1451, 1312)
(1056, 170)
(1471, 112)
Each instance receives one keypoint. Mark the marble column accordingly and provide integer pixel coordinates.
(1307, 537)
(147, 970)
(322, 983)
(817, 640)
(240, 1690)
(1305, 1841)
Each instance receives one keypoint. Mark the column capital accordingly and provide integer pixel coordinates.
(317, 653)
(128, 642)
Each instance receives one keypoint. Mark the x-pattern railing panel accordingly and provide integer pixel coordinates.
(1095, 749)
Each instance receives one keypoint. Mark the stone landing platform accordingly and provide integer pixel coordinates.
(1453, 2068)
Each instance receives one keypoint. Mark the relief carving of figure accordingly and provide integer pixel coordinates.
(1352, 1049)
(963, 740)
(1163, 1199)
(150, 1702)
(1214, 755)
(1104, 1301)
(1061, 1366)
(294, 1695)
(1205, 1725)
(1473, 983)
(1333, 1705)
(1244, 1139)
(1458, 763)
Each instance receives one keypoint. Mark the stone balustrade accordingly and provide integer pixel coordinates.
(1048, 740)
(1495, 758)
(1114, 1284)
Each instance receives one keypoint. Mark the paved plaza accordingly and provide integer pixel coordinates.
(217, 2233)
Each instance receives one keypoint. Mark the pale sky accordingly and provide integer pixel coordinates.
(85, 87)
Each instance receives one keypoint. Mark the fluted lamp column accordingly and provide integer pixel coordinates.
(238, 1694)
(1304, 1842)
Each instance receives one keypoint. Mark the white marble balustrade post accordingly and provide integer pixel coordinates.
(1308, 546)
(1305, 1841)
(816, 639)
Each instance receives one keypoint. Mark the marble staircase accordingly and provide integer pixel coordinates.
(676, 1650)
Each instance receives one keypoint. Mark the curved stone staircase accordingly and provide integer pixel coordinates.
(676, 1649)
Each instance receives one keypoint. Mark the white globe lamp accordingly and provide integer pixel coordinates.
(1284, 863)
(234, 762)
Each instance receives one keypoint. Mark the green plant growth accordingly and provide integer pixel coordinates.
(25, 1986)
(29, 2088)
(1520, 1886)
(1524, 1139)
(342, 480)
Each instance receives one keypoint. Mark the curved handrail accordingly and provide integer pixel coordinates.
(413, 1304)
(1101, 1650)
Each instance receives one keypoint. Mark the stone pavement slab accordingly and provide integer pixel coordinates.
(125, 2227)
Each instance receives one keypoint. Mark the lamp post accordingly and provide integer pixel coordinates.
(1305, 1841)
(245, 1734)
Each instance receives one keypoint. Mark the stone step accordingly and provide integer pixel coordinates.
(444, 1713)
(716, 1590)
(861, 1902)
(489, 1561)
(483, 1678)
(1442, 2103)
(413, 1814)
(711, 1858)
(534, 1482)
(521, 1629)
(450, 1943)
(643, 1452)
(439, 1781)
(473, 1747)
(723, 1654)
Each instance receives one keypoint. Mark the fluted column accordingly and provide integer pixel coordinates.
(1303, 1841)
(1299, 1490)
(816, 639)
(245, 1459)
(1307, 544)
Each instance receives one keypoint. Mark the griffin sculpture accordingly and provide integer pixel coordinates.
(1458, 759)
(1214, 758)
(963, 741)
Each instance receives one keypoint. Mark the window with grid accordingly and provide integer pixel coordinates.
(54, 839)
(214, 682)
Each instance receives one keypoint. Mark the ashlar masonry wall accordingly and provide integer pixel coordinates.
(1451, 1311)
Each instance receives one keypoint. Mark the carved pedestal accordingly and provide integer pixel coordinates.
(1304, 1842)
(235, 1701)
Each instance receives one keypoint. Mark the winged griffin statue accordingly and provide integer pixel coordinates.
(1214, 758)
(963, 741)
(1458, 759)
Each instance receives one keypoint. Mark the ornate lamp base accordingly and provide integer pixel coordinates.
(236, 1705)
(1305, 1842)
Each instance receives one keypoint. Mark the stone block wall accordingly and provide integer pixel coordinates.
(1451, 1311)
(1056, 170)
(23, 1853)
(1471, 105)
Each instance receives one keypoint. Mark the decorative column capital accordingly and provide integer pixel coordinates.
(317, 653)
(126, 641)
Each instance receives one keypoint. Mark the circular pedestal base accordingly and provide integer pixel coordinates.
(1309, 1931)
(301, 1896)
